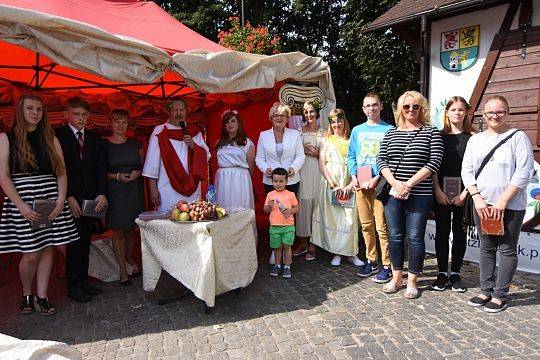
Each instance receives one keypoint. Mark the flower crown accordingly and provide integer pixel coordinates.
(229, 111)
(317, 106)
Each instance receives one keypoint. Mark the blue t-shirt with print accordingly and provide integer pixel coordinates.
(364, 146)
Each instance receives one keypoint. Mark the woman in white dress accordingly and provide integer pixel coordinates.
(312, 136)
(335, 227)
(236, 161)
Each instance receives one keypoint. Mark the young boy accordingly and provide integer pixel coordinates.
(362, 157)
(281, 204)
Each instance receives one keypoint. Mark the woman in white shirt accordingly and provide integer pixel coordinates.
(498, 192)
(280, 147)
(235, 157)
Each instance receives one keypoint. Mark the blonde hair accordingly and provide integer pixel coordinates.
(279, 109)
(423, 112)
(467, 126)
(310, 105)
(340, 114)
(498, 98)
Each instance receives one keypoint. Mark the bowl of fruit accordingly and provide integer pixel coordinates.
(196, 211)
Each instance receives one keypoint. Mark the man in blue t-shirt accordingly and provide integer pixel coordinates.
(362, 164)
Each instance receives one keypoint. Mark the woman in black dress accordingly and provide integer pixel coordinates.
(32, 168)
(124, 160)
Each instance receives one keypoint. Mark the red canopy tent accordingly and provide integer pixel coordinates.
(117, 54)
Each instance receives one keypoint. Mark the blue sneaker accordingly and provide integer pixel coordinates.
(286, 272)
(368, 270)
(275, 271)
(383, 276)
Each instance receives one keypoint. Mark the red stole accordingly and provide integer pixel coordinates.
(182, 182)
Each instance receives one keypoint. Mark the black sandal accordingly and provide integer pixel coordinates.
(27, 305)
(44, 306)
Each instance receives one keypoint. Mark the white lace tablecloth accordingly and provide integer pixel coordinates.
(209, 258)
(12, 348)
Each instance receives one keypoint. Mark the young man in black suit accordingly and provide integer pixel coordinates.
(87, 175)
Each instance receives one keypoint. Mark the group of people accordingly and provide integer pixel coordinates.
(322, 185)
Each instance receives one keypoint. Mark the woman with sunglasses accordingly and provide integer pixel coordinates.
(499, 192)
(236, 161)
(281, 147)
(409, 155)
(456, 132)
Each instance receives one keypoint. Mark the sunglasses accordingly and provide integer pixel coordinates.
(413, 107)
(230, 112)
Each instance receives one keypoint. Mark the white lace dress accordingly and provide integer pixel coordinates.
(233, 181)
(310, 181)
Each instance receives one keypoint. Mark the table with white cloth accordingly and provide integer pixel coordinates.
(209, 258)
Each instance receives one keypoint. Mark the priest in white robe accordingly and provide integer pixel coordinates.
(176, 160)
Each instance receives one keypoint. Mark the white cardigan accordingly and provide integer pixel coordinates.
(293, 154)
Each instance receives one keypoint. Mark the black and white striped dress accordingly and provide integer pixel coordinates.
(16, 233)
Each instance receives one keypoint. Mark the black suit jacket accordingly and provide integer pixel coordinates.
(86, 177)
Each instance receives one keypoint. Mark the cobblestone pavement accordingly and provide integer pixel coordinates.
(321, 313)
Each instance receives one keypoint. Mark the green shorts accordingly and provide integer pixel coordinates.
(281, 234)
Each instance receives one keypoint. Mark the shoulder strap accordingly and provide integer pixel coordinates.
(406, 147)
(490, 154)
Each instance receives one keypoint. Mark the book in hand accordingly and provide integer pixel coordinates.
(451, 186)
(342, 199)
(43, 207)
(363, 174)
(492, 226)
(89, 209)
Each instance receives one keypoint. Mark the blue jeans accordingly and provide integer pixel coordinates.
(407, 218)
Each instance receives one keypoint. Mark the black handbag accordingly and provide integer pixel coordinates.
(468, 203)
(382, 191)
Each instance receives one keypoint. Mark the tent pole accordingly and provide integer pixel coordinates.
(36, 77)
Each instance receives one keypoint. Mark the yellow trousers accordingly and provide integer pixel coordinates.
(371, 216)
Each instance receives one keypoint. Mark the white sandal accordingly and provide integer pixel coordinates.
(411, 292)
(391, 287)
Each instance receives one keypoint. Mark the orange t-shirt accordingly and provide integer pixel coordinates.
(288, 199)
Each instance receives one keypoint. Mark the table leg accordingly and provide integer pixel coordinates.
(168, 289)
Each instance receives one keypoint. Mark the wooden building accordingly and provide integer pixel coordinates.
(474, 48)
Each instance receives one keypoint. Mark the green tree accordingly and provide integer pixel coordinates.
(381, 62)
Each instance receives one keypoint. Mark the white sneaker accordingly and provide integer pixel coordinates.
(336, 261)
(356, 261)
(272, 260)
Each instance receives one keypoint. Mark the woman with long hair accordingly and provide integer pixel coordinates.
(236, 161)
(409, 155)
(124, 191)
(335, 227)
(455, 134)
(312, 136)
(499, 193)
(31, 169)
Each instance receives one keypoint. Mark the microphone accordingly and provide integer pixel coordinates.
(183, 126)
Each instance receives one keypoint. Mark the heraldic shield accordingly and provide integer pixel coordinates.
(459, 48)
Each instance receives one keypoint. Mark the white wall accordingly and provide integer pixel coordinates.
(442, 83)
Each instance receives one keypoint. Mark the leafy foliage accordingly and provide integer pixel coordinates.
(328, 28)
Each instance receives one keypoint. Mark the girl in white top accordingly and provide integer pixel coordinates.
(498, 192)
(236, 161)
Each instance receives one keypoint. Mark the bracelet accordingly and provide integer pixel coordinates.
(117, 177)
(476, 193)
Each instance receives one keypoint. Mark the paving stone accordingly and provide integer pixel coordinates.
(322, 313)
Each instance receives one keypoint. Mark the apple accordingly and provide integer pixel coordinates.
(180, 203)
(184, 207)
(184, 216)
(175, 215)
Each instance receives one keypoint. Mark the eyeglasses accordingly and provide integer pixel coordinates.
(373, 106)
(279, 116)
(491, 114)
(413, 107)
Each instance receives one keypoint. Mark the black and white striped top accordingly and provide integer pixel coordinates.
(425, 150)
